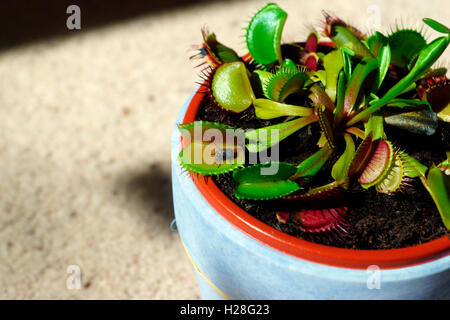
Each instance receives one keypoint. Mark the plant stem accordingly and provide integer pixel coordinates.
(340, 99)
(356, 131)
(319, 96)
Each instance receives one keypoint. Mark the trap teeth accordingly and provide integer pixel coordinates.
(395, 178)
(322, 220)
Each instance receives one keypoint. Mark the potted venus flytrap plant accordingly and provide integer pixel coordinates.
(355, 124)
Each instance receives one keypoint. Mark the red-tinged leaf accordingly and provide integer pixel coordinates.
(311, 42)
(311, 62)
(328, 191)
(345, 36)
(378, 163)
(322, 220)
(362, 155)
(322, 209)
(356, 132)
(215, 52)
(319, 96)
(436, 91)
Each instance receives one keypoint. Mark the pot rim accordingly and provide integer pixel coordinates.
(303, 249)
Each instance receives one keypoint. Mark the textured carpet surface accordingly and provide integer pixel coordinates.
(84, 146)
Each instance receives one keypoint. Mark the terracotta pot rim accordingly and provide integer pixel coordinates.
(306, 250)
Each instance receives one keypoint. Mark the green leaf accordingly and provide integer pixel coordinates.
(405, 103)
(284, 82)
(215, 148)
(263, 76)
(438, 185)
(339, 111)
(346, 53)
(383, 57)
(264, 34)
(322, 140)
(259, 79)
(394, 178)
(231, 87)
(413, 168)
(319, 75)
(374, 126)
(428, 56)
(289, 64)
(412, 86)
(211, 159)
(333, 63)
(362, 71)
(405, 44)
(436, 25)
(312, 165)
(340, 169)
(342, 36)
(374, 44)
(264, 138)
(268, 109)
(265, 181)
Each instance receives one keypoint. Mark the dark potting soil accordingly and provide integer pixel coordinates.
(376, 220)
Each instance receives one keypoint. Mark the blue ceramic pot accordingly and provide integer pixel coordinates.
(239, 258)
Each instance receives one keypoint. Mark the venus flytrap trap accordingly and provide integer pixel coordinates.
(352, 88)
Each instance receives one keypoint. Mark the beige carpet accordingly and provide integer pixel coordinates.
(84, 147)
